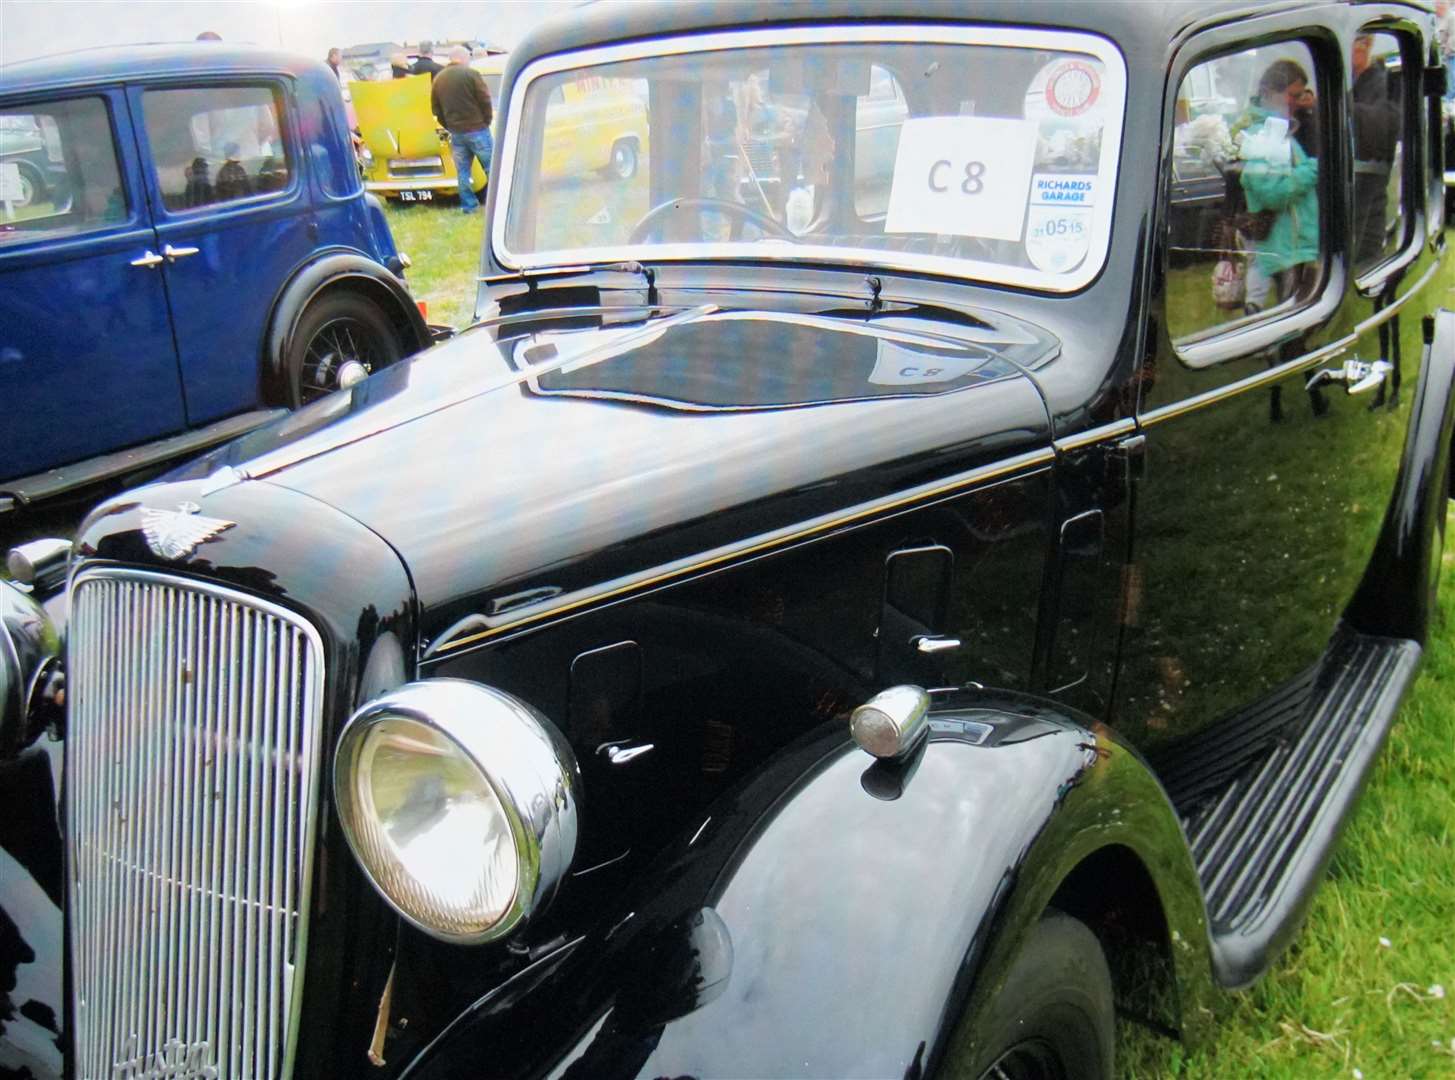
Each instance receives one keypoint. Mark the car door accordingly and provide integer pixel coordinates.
(233, 220)
(87, 362)
(1266, 479)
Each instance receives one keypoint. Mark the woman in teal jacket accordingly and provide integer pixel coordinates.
(1281, 178)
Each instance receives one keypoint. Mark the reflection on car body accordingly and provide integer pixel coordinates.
(928, 537)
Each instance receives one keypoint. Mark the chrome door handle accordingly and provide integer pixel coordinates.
(150, 259)
(1376, 374)
(1358, 376)
(619, 753)
(930, 644)
(175, 253)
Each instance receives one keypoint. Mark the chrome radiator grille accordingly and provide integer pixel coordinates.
(192, 776)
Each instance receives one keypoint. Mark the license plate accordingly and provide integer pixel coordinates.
(416, 196)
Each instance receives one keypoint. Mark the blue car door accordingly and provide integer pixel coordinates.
(87, 360)
(232, 217)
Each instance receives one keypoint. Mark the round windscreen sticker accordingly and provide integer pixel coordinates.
(1057, 237)
(1072, 88)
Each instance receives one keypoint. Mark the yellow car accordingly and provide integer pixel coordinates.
(595, 125)
(403, 155)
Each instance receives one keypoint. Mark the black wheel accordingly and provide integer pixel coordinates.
(1052, 1019)
(623, 163)
(340, 339)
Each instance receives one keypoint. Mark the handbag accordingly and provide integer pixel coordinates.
(1230, 272)
(1230, 282)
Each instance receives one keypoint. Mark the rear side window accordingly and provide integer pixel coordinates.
(59, 174)
(1245, 236)
(216, 144)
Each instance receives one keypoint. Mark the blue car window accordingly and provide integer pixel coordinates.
(58, 170)
(216, 144)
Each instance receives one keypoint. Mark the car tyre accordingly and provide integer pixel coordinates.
(32, 187)
(338, 330)
(624, 160)
(1052, 1019)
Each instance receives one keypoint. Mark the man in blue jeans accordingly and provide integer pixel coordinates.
(461, 104)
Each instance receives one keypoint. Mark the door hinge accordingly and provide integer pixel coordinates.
(1133, 451)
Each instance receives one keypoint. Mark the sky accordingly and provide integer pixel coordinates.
(40, 27)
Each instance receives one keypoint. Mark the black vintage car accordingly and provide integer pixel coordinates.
(842, 615)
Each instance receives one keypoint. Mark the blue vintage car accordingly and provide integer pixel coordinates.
(185, 249)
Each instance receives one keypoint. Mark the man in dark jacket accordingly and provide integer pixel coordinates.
(461, 104)
(426, 64)
(1376, 137)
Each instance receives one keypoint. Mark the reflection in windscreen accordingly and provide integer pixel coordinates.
(981, 154)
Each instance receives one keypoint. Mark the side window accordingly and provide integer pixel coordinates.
(878, 119)
(1244, 220)
(1380, 212)
(58, 170)
(216, 144)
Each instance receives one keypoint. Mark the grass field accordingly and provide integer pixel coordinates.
(444, 246)
(1368, 989)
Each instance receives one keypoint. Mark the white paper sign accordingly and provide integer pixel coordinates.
(962, 176)
(10, 189)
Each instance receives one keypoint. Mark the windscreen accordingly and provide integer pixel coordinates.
(991, 158)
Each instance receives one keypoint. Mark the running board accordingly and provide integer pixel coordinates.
(25, 490)
(1263, 844)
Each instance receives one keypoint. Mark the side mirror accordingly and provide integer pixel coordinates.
(29, 647)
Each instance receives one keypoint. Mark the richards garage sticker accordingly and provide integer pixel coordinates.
(1058, 222)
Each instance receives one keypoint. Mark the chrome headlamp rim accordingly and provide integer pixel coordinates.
(29, 643)
(525, 761)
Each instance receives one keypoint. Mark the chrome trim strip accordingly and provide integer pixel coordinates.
(660, 575)
(1106, 432)
(1252, 382)
(1326, 352)
(1389, 311)
(1115, 83)
(195, 720)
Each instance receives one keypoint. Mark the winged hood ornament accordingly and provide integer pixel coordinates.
(175, 533)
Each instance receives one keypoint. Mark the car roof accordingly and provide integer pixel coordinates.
(1137, 26)
(131, 63)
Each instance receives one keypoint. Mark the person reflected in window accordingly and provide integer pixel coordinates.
(1280, 184)
(97, 196)
(1376, 137)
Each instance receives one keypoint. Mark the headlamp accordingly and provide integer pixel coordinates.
(459, 802)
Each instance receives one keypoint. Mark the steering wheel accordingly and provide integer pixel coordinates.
(742, 215)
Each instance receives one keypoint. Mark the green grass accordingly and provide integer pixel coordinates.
(444, 244)
(444, 247)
